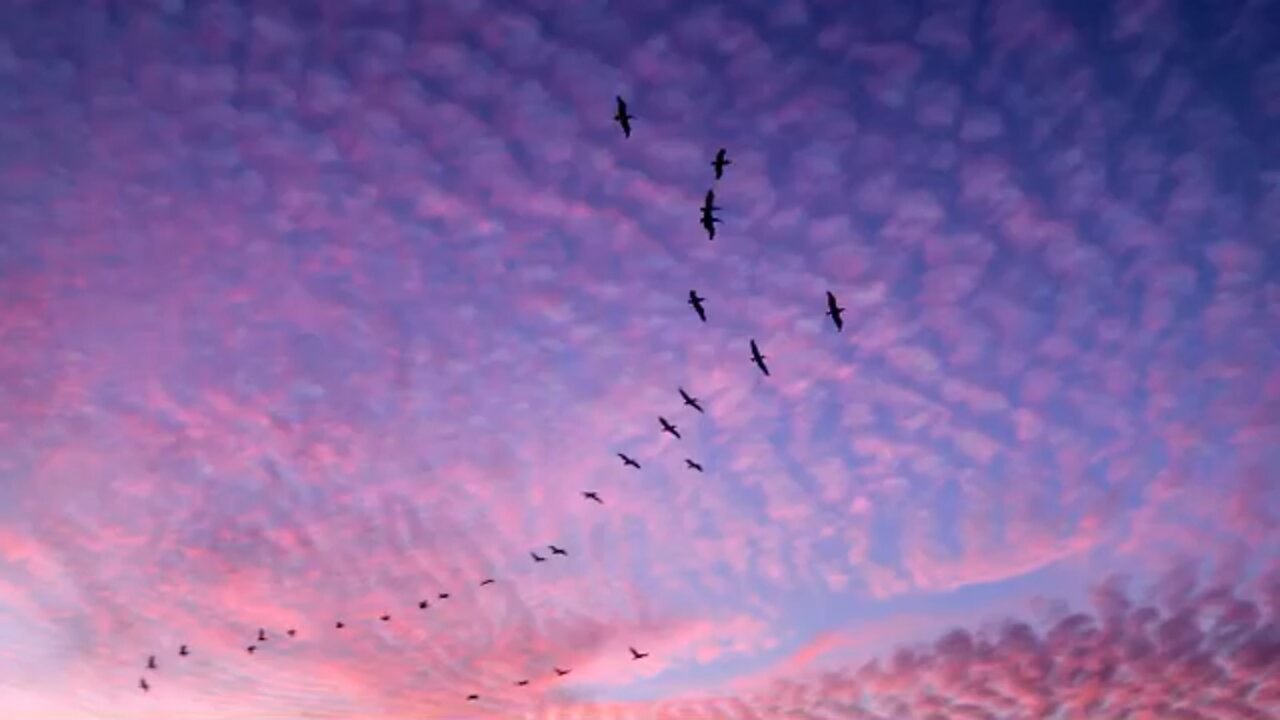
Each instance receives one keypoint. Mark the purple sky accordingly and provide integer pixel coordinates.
(312, 310)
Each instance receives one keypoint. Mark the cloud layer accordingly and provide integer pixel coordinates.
(310, 312)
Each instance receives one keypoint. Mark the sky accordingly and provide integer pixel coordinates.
(310, 311)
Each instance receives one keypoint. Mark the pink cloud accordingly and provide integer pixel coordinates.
(408, 259)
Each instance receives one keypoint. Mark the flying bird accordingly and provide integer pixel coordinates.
(151, 662)
(385, 618)
(834, 311)
(558, 551)
(622, 118)
(339, 625)
(690, 400)
(487, 581)
(536, 557)
(720, 162)
(142, 683)
(629, 461)
(560, 672)
(588, 494)
(443, 596)
(262, 635)
(709, 224)
(521, 683)
(422, 605)
(692, 465)
(637, 655)
(251, 649)
(182, 651)
(758, 359)
(473, 696)
(709, 203)
(696, 302)
(668, 427)
(291, 632)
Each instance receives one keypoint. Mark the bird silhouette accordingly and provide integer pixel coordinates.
(251, 649)
(151, 662)
(536, 557)
(142, 683)
(834, 311)
(709, 203)
(690, 400)
(182, 651)
(558, 551)
(720, 162)
(291, 632)
(560, 672)
(262, 635)
(622, 117)
(590, 495)
(473, 696)
(443, 596)
(629, 461)
(692, 465)
(487, 581)
(637, 655)
(339, 625)
(385, 618)
(422, 605)
(758, 359)
(698, 307)
(708, 222)
(668, 427)
(521, 683)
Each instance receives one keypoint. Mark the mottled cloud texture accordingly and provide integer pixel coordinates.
(310, 310)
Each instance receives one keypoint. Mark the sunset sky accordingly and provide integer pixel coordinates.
(313, 310)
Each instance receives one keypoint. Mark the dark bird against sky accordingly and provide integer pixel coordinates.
(720, 162)
(709, 203)
(690, 400)
(622, 117)
(835, 311)
(668, 428)
(696, 302)
(758, 359)
(708, 222)
(629, 461)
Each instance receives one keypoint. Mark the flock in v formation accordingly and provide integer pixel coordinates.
(708, 221)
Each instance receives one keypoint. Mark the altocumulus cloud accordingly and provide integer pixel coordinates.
(307, 313)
